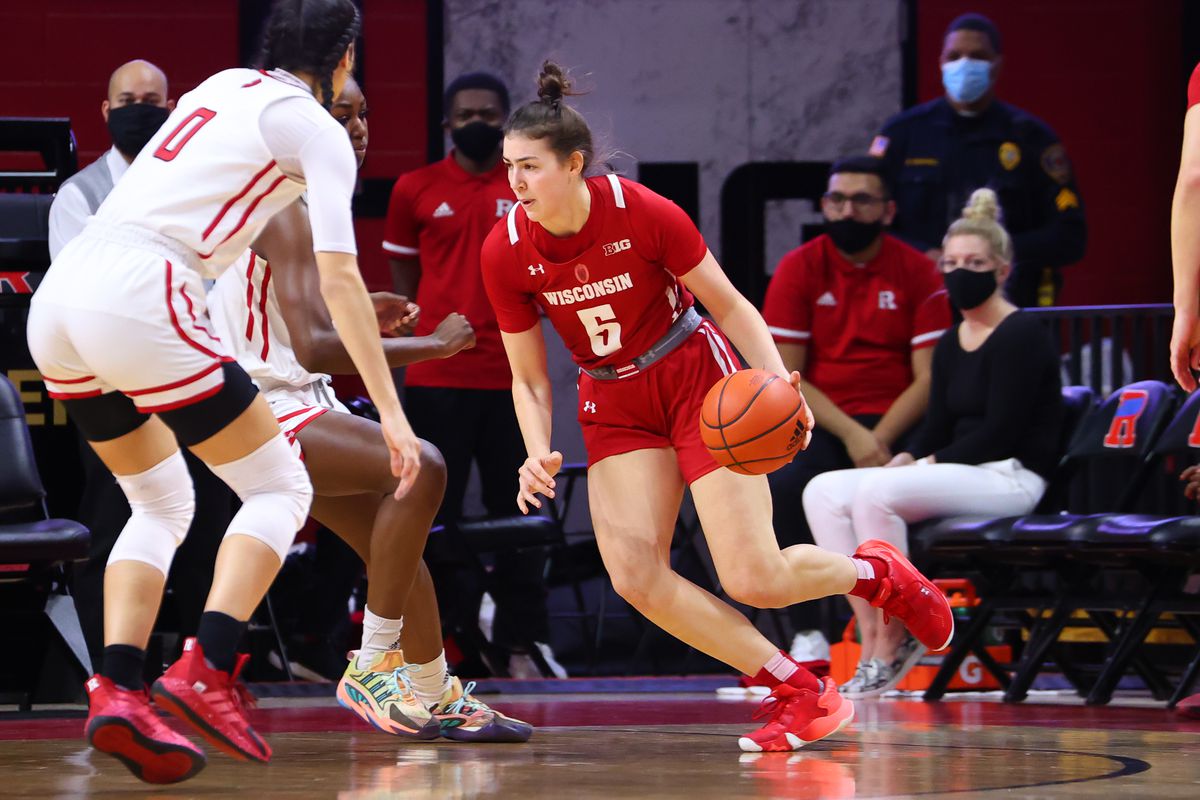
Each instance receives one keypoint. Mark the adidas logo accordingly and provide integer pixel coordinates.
(827, 299)
(444, 210)
(200, 686)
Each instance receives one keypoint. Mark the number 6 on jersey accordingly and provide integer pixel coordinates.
(602, 328)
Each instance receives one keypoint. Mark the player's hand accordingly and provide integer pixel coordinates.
(809, 422)
(866, 449)
(1191, 476)
(901, 460)
(454, 334)
(536, 476)
(405, 449)
(1185, 349)
(396, 314)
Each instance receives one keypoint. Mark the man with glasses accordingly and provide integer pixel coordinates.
(939, 152)
(857, 312)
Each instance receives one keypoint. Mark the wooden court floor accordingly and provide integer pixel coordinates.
(659, 746)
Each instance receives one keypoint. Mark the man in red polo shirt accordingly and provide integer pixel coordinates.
(856, 312)
(437, 220)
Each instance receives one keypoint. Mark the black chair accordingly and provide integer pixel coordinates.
(1166, 555)
(1100, 472)
(36, 553)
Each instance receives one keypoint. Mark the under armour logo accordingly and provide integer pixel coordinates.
(589, 407)
(535, 270)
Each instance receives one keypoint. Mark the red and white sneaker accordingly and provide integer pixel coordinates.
(213, 702)
(907, 595)
(797, 717)
(121, 723)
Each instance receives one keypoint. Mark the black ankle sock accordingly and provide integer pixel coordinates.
(123, 664)
(218, 636)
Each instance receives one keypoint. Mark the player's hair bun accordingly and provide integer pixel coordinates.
(983, 206)
(553, 83)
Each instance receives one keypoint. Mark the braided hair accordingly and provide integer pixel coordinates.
(310, 36)
(550, 118)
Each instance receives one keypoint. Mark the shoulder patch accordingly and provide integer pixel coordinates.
(1056, 164)
(879, 146)
(1066, 199)
(1010, 156)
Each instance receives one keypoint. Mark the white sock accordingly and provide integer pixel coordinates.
(379, 634)
(430, 680)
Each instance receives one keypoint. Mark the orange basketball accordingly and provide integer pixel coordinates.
(752, 422)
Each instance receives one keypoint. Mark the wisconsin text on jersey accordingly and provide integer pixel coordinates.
(590, 291)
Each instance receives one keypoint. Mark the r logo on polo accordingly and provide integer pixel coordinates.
(589, 407)
(503, 206)
(887, 299)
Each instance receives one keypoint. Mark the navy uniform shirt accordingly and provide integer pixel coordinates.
(936, 157)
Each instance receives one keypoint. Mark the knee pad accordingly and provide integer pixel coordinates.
(275, 491)
(162, 503)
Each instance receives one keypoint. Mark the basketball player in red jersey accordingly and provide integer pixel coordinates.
(614, 267)
(120, 333)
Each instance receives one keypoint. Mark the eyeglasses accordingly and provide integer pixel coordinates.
(974, 264)
(859, 202)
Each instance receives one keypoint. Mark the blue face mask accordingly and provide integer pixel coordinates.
(967, 79)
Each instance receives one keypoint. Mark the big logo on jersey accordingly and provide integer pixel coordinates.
(1122, 432)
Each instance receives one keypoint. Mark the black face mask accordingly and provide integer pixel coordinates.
(969, 289)
(132, 126)
(851, 236)
(477, 141)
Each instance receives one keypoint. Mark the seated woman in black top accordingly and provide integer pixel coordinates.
(988, 443)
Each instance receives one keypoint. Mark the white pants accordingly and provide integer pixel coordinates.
(848, 506)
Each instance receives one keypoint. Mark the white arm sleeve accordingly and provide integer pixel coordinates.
(68, 214)
(309, 145)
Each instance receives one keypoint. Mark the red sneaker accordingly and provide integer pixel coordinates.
(1189, 707)
(121, 723)
(798, 717)
(907, 595)
(212, 702)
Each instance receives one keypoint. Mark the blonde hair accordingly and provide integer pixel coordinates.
(981, 217)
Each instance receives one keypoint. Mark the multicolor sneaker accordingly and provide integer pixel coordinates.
(213, 702)
(121, 723)
(797, 717)
(907, 595)
(382, 694)
(465, 719)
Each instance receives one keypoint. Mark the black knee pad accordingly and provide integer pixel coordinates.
(194, 423)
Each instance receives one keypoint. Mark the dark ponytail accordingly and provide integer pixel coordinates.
(310, 36)
(550, 118)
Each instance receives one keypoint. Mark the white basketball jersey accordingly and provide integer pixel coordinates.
(207, 179)
(245, 314)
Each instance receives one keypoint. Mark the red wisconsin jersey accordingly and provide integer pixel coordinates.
(611, 290)
(441, 214)
(860, 324)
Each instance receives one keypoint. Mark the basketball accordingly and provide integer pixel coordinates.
(752, 422)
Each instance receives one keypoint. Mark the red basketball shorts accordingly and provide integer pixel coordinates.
(659, 407)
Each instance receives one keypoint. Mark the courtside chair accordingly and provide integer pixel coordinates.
(1165, 551)
(967, 545)
(36, 554)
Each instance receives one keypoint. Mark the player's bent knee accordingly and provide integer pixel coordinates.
(162, 503)
(433, 469)
(276, 494)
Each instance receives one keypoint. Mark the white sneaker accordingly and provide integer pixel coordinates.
(523, 667)
(875, 673)
(809, 646)
(855, 683)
